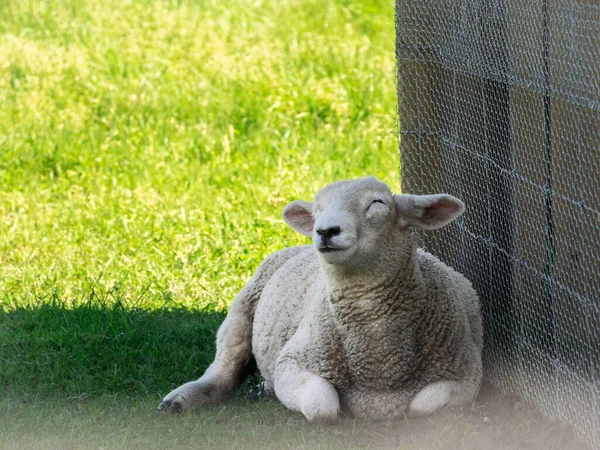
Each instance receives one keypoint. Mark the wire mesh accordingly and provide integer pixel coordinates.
(499, 104)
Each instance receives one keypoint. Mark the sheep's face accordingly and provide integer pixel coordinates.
(351, 222)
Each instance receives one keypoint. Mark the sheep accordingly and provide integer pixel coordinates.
(361, 322)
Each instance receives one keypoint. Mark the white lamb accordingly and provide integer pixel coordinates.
(362, 321)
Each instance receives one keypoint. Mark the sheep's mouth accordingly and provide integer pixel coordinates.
(329, 249)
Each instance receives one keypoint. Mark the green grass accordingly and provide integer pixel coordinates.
(97, 348)
(147, 148)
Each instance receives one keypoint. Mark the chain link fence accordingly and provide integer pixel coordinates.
(499, 104)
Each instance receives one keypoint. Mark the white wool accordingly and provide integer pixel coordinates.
(361, 320)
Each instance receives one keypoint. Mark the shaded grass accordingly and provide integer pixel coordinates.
(95, 348)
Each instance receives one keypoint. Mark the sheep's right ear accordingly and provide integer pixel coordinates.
(298, 215)
(428, 211)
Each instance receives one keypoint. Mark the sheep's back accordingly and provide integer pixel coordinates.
(451, 331)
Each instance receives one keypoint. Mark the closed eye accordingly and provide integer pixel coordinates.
(375, 202)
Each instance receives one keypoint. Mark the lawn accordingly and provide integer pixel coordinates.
(147, 148)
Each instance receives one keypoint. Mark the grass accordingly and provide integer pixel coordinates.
(147, 148)
(111, 422)
(96, 348)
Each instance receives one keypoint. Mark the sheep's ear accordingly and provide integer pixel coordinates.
(298, 215)
(428, 211)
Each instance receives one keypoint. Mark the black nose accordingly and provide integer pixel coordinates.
(328, 232)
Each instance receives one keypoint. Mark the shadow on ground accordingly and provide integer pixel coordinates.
(90, 376)
(95, 349)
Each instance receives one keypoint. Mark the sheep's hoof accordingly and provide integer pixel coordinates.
(319, 401)
(174, 405)
(322, 417)
(317, 411)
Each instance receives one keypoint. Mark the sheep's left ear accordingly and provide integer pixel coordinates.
(428, 211)
(298, 215)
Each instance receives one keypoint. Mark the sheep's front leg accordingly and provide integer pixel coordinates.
(301, 390)
(230, 367)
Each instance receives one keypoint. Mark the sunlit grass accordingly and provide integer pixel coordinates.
(148, 147)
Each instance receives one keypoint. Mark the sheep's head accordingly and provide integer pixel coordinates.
(351, 222)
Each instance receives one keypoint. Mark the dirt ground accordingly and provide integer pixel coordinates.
(495, 421)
